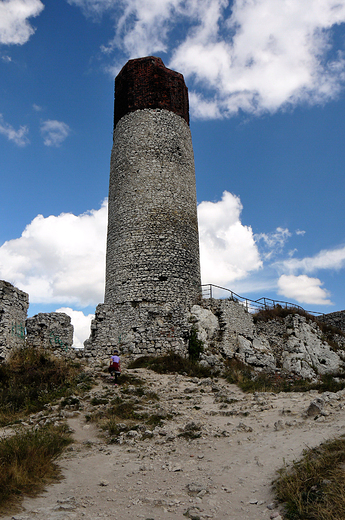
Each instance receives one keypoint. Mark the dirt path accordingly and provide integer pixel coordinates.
(224, 474)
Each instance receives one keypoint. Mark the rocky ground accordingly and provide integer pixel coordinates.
(224, 472)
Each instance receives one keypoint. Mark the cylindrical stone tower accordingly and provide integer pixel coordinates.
(152, 245)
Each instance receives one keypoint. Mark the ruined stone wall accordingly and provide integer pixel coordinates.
(52, 331)
(140, 329)
(13, 311)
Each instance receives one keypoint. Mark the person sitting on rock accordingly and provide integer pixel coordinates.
(115, 366)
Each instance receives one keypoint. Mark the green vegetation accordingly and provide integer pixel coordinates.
(314, 487)
(32, 378)
(27, 462)
(195, 345)
(171, 364)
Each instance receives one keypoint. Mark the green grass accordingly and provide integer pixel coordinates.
(27, 462)
(32, 378)
(314, 487)
(171, 364)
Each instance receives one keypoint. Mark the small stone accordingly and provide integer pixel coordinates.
(103, 483)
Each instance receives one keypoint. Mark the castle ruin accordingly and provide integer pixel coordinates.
(152, 263)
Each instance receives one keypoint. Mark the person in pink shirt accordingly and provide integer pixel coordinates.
(115, 366)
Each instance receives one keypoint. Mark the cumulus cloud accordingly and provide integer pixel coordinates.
(59, 259)
(19, 137)
(251, 55)
(326, 259)
(81, 324)
(14, 25)
(303, 289)
(54, 132)
(227, 248)
(62, 258)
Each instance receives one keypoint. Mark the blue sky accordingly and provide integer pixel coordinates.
(266, 82)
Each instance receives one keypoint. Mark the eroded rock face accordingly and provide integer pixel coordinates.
(293, 345)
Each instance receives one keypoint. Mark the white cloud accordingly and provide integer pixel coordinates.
(326, 259)
(59, 259)
(81, 324)
(273, 242)
(253, 55)
(62, 259)
(37, 108)
(303, 289)
(227, 248)
(17, 136)
(14, 25)
(6, 59)
(54, 132)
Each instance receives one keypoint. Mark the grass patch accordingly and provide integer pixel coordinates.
(32, 378)
(171, 364)
(27, 462)
(279, 313)
(314, 487)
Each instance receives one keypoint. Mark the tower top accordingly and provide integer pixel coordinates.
(147, 83)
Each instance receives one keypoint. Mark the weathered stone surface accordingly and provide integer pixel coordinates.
(336, 319)
(153, 244)
(152, 262)
(147, 328)
(13, 311)
(294, 345)
(52, 331)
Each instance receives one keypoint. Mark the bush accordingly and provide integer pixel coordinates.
(195, 345)
(171, 364)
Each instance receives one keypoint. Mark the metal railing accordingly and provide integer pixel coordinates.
(214, 291)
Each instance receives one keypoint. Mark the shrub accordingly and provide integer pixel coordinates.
(171, 364)
(195, 345)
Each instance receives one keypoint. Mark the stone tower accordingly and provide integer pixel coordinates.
(152, 264)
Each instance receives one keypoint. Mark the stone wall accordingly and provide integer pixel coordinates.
(139, 329)
(52, 331)
(13, 311)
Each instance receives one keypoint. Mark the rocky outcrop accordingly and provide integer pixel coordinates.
(292, 345)
(335, 319)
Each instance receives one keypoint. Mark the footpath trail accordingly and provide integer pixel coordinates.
(226, 473)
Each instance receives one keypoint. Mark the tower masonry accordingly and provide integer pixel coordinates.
(152, 262)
